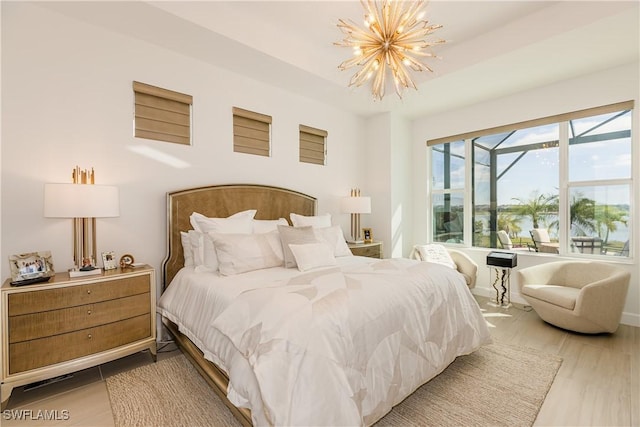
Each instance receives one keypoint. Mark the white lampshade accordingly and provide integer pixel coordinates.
(81, 201)
(356, 204)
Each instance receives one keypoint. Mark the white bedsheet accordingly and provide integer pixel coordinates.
(335, 346)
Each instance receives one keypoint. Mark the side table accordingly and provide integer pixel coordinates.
(502, 263)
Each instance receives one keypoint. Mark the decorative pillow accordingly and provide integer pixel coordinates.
(186, 249)
(436, 253)
(312, 255)
(240, 222)
(318, 221)
(295, 235)
(239, 253)
(334, 237)
(204, 254)
(267, 225)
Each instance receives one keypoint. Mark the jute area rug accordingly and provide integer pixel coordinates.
(498, 385)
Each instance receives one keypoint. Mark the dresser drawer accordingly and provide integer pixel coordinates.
(47, 323)
(71, 296)
(27, 355)
(372, 250)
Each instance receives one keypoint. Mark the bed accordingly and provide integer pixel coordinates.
(334, 340)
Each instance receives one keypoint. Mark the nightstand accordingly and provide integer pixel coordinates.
(372, 250)
(68, 324)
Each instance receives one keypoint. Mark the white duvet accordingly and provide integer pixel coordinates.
(331, 347)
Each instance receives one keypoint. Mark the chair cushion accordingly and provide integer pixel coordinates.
(562, 296)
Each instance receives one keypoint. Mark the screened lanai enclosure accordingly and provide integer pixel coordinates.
(556, 185)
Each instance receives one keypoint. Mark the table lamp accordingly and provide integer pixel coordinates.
(356, 205)
(84, 202)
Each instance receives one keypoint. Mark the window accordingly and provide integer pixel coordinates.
(569, 175)
(251, 132)
(313, 145)
(447, 195)
(161, 114)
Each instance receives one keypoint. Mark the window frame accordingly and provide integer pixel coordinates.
(564, 185)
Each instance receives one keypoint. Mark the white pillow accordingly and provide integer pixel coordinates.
(240, 222)
(312, 255)
(204, 254)
(334, 237)
(295, 235)
(267, 225)
(318, 221)
(436, 253)
(186, 249)
(239, 253)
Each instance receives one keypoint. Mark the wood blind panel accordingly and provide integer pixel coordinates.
(144, 88)
(314, 139)
(239, 112)
(311, 160)
(163, 137)
(251, 132)
(250, 150)
(611, 108)
(161, 114)
(312, 145)
(313, 131)
(161, 127)
(154, 102)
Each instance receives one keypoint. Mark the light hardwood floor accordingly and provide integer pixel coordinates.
(598, 383)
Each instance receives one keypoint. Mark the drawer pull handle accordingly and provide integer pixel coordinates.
(88, 311)
(89, 336)
(88, 291)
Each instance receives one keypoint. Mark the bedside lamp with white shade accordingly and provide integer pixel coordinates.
(84, 202)
(355, 205)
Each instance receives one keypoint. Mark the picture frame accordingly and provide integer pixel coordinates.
(31, 267)
(367, 235)
(109, 260)
(126, 260)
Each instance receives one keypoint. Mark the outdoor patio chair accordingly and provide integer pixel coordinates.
(504, 239)
(541, 242)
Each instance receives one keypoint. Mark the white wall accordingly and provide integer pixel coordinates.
(606, 87)
(67, 101)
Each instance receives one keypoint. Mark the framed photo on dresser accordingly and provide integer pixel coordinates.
(31, 267)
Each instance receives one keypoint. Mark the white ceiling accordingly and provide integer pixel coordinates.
(493, 48)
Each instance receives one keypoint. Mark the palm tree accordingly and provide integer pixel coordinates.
(509, 223)
(537, 207)
(582, 213)
(606, 217)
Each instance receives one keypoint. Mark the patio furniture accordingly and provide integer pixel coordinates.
(504, 239)
(541, 242)
(581, 296)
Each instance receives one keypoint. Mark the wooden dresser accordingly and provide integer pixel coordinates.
(372, 250)
(67, 324)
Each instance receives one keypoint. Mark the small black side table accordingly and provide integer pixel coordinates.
(502, 263)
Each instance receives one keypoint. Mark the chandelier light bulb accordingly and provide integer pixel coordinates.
(392, 40)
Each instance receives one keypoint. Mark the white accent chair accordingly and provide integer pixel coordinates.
(581, 296)
(465, 265)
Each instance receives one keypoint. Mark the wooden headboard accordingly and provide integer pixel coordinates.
(220, 201)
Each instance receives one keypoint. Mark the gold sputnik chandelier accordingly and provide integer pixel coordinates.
(393, 40)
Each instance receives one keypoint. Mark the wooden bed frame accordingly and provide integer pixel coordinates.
(219, 202)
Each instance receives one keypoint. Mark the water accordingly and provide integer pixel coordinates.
(526, 224)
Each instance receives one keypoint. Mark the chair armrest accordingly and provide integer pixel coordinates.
(465, 265)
